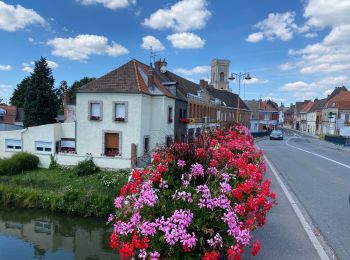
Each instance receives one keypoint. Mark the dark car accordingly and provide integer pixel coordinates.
(276, 135)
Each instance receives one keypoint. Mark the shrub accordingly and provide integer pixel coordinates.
(199, 200)
(86, 167)
(18, 163)
(53, 163)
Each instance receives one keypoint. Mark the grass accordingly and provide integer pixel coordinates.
(62, 191)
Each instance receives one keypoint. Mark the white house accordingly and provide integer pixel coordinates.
(124, 108)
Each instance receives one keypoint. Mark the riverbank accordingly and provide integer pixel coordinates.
(60, 190)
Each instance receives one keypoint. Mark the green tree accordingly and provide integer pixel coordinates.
(18, 96)
(60, 95)
(77, 84)
(40, 106)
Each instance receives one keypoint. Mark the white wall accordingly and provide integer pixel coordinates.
(146, 116)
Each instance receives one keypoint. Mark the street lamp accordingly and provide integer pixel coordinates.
(240, 76)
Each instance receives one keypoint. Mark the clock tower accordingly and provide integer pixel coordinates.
(220, 73)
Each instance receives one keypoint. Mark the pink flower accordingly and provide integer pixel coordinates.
(197, 169)
(181, 163)
(154, 255)
(118, 201)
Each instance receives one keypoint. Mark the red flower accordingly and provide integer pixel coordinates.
(126, 251)
(201, 153)
(213, 163)
(256, 248)
(113, 242)
(186, 249)
(213, 255)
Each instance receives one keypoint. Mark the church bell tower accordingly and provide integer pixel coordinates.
(220, 73)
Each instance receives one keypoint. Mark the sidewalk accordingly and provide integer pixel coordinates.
(282, 236)
(330, 144)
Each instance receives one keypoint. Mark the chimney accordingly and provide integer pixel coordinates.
(203, 84)
(150, 76)
(158, 64)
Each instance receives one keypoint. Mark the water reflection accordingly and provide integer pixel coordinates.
(36, 234)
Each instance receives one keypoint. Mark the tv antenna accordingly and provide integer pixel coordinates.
(153, 55)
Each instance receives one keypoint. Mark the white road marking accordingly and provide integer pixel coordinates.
(316, 154)
(320, 250)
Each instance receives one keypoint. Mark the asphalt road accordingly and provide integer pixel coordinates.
(318, 175)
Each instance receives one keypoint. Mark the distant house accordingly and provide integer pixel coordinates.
(265, 115)
(288, 117)
(303, 116)
(314, 116)
(336, 115)
(126, 114)
(11, 118)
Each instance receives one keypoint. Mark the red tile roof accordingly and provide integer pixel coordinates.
(307, 107)
(342, 100)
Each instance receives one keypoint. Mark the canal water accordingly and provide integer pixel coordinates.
(37, 234)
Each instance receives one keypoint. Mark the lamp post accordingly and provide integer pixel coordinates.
(240, 76)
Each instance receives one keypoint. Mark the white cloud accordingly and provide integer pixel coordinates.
(111, 4)
(193, 71)
(5, 67)
(29, 67)
(275, 99)
(256, 81)
(84, 45)
(255, 37)
(13, 18)
(302, 90)
(326, 13)
(331, 54)
(183, 16)
(276, 26)
(311, 35)
(186, 41)
(293, 86)
(149, 42)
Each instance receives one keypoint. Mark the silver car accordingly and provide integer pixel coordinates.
(276, 135)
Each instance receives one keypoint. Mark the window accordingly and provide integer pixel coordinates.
(43, 147)
(67, 145)
(184, 113)
(333, 104)
(13, 145)
(170, 115)
(112, 144)
(266, 116)
(146, 145)
(347, 117)
(180, 113)
(120, 112)
(95, 111)
(2, 114)
(222, 76)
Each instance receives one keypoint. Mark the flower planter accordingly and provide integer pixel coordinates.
(197, 201)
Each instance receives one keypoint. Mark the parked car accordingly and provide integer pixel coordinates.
(276, 135)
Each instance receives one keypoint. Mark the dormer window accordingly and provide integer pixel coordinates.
(95, 111)
(120, 111)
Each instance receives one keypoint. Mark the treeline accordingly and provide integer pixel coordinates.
(39, 98)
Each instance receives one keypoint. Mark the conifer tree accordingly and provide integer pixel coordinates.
(40, 106)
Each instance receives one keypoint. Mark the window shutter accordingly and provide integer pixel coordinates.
(112, 141)
(95, 109)
(68, 144)
(12, 142)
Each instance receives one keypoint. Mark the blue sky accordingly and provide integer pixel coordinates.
(294, 49)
